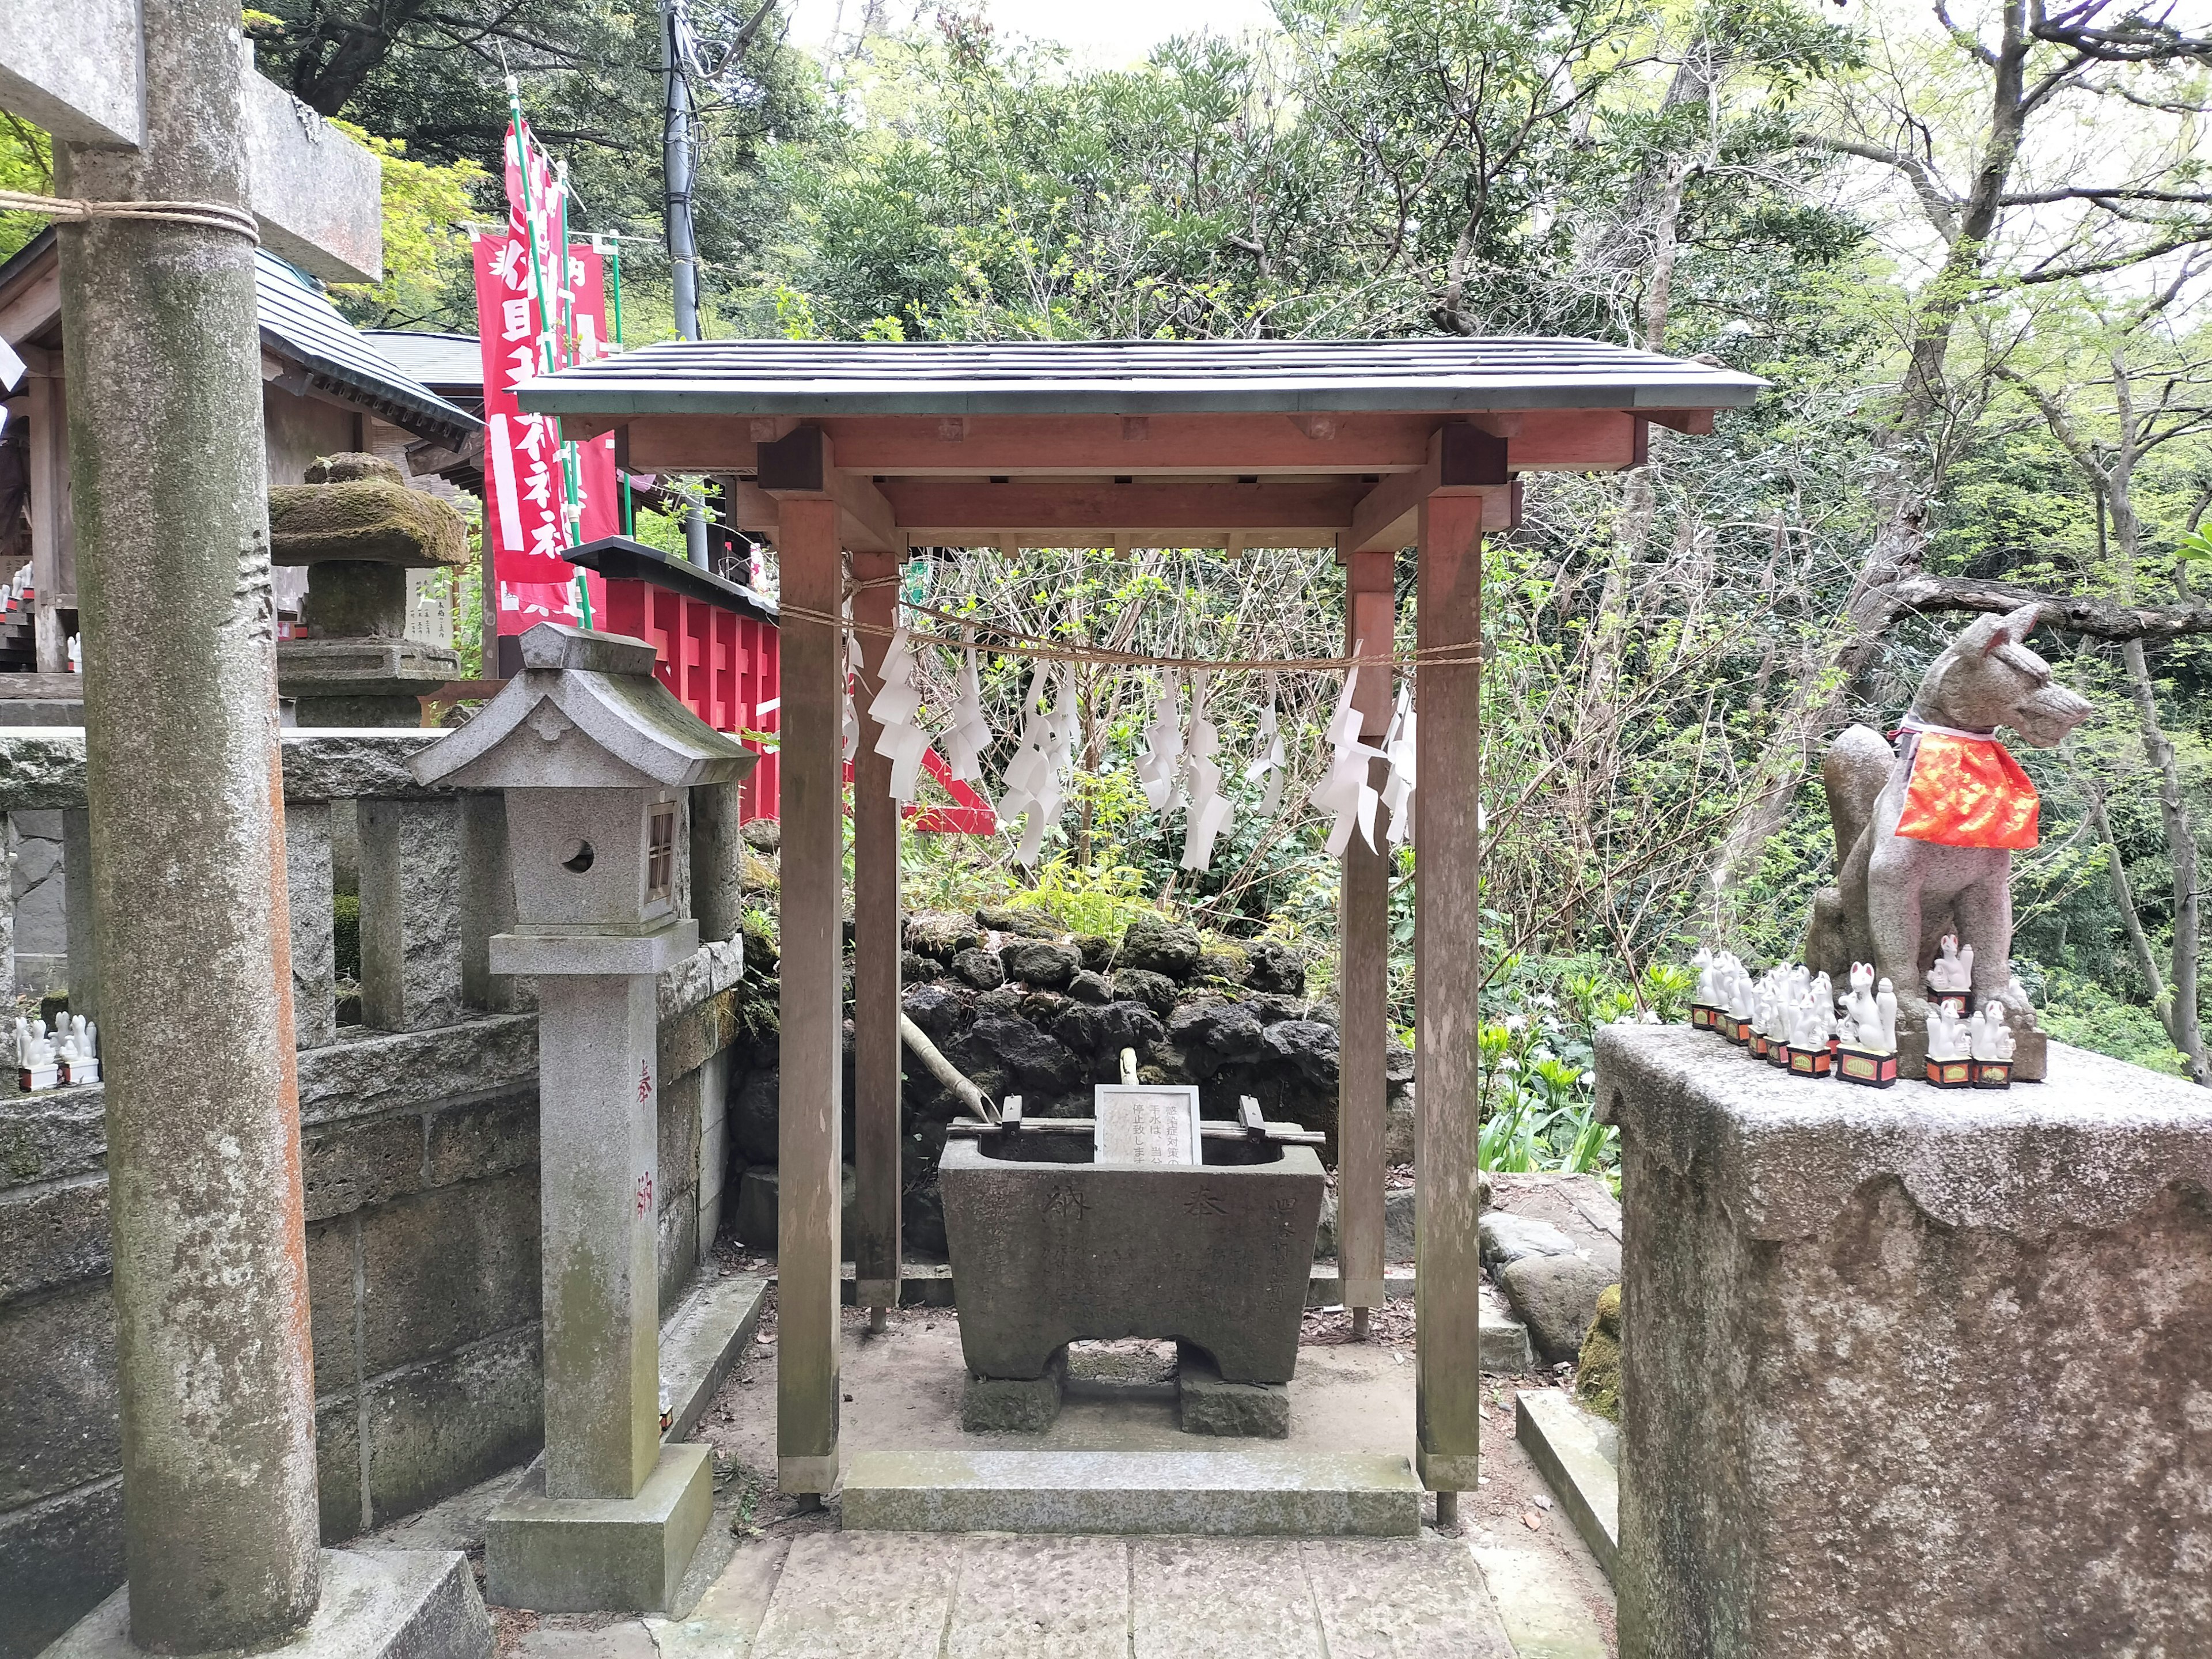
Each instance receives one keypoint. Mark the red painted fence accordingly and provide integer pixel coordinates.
(719, 655)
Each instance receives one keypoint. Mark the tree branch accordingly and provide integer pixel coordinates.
(2096, 194)
(2075, 613)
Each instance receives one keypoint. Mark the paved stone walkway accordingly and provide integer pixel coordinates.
(928, 1596)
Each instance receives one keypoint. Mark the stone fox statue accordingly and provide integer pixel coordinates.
(1926, 832)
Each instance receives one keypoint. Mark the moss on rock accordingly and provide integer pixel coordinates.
(1597, 1369)
(370, 520)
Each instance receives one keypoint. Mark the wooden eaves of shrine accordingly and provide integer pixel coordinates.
(865, 449)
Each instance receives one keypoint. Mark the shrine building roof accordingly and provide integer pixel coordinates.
(829, 378)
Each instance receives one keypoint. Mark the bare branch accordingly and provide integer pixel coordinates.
(2098, 618)
(2098, 193)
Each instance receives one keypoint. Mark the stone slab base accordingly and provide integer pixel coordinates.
(993, 1405)
(1247, 1493)
(600, 1554)
(1258, 1410)
(1569, 1446)
(702, 1341)
(376, 1604)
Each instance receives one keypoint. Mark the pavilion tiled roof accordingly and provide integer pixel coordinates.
(824, 378)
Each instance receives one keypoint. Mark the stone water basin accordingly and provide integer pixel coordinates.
(1050, 1248)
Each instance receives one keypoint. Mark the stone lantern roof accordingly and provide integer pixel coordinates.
(595, 718)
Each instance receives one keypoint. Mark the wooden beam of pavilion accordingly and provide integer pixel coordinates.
(1538, 440)
(803, 463)
(1462, 458)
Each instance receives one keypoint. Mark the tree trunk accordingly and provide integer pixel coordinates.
(2179, 1016)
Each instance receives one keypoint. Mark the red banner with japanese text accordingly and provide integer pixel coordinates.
(538, 312)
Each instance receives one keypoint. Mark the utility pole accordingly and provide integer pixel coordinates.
(683, 247)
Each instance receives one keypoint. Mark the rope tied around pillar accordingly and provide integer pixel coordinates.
(1462, 655)
(69, 210)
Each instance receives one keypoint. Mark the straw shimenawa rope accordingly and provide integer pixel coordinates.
(1467, 653)
(67, 210)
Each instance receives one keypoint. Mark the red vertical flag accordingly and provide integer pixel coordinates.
(537, 311)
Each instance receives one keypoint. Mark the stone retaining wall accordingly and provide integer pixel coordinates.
(420, 1166)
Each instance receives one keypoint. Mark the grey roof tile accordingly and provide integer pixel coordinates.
(826, 378)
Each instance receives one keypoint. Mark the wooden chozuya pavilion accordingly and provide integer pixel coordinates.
(858, 449)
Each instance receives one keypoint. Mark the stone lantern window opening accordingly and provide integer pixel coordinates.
(660, 854)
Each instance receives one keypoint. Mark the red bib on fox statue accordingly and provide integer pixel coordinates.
(1966, 790)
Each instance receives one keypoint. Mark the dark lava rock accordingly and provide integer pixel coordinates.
(1155, 991)
(1159, 946)
(1095, 949)
(762, 835)
(913, 969)
(1041, 1008)
(979, 968)
(1020, 1052)
(1397, 1061)
(1028, 924)
(1004, 999)
(1036, 963)
(1077, 1027)
(1227, 963)
(1229, 1030)
(933, 933)
(1306, 1044)
(1269, 1010)
(938, 1009)
(1087, 986)
(1274, 967)
(752, 1110)
(1128, 1025)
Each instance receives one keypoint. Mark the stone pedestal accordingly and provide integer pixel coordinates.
(591, 1555)
(1909, 1372)
(611, 1518)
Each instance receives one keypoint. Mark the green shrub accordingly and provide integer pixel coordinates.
(345, 934)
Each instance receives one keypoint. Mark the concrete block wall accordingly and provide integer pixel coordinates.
(420, 1165)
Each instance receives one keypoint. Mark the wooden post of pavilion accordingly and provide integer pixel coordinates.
(1447, 966)
(876, 947)
(810, 999)
(1364, 963)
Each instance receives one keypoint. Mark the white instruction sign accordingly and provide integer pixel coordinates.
(1139, 1123)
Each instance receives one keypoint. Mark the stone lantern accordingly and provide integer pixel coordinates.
(359, 529)
(593, 754)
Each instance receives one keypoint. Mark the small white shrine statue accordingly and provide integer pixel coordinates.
(79, 1049)
(36, 1063)
(1952, 972)
(1703, 963)
(1988, 1036)
(1738, 994)
(1812, 1024)
(1871, 1015)
(1948, 1036)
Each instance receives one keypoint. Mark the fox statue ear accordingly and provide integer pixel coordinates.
(2014, 626)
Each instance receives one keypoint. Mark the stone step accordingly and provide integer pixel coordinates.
(1247, 1493)
(1577, 1453)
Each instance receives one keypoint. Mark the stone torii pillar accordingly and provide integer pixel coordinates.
(154, 102)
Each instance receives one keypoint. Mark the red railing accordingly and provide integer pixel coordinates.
(718, 645)
(719, 655)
